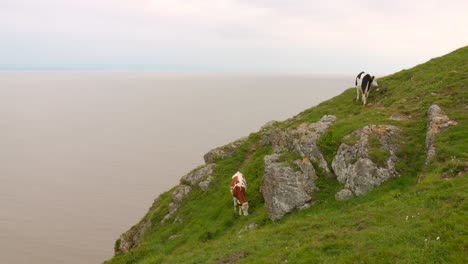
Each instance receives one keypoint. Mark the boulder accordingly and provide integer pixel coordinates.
(177, 197)
(366, 159)
(400, 117)
(268, 125)
(344, 194)
(204, 185)
(197, 175)
(201, 176)
(223, 152)
(134, 236)
(248, 228)
(302, 140)
(285, 189)
(437, 121)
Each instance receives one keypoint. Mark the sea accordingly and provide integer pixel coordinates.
(84, 154)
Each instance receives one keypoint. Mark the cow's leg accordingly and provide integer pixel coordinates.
(365, 97)
(235, 203)
(357, 94)
(240, 210)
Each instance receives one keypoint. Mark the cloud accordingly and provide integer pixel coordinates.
(258, 35)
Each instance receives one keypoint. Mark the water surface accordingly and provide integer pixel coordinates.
(84, 154)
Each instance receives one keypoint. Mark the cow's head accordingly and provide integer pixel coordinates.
(374, 82)
(245, 208)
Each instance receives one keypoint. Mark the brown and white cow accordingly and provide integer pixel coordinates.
(238, 189)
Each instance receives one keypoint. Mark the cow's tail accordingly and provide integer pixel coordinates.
(359, 76)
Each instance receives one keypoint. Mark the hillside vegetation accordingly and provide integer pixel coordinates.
(419, 217)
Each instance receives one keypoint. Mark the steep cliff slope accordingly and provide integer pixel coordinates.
(385, 204)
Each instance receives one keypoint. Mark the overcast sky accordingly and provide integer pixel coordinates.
(253, 36)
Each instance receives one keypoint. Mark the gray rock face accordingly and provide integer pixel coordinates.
(248, 228)
(284, 189)
(353, 164)
(180, 192)
(177, 197)
(223, 152)
(437, 122)
(133, 237)
(204, 185)
(397, 117)
(344, 194)
(199, 174)
(268, 125)
(302, 140)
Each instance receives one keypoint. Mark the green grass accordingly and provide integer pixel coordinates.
(287, 159)
(376, 153)
(398, 222)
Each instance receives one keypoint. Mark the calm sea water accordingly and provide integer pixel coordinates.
(83, 154)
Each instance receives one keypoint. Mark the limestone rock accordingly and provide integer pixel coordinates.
(180, 192)
(199, 174)
(133, 237)
(204, 185)
(268, 125)
(177, 197)
(344, 194)
(353, 164)
(285, 189)
(437, 122)
(302, 140)
(248, 228)
(223, 152)
(400, 117)
(172, 237)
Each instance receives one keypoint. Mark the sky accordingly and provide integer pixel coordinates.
(243, 36)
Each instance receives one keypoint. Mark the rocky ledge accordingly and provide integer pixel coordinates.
(437, 121)
(366, 159)
(289, 179)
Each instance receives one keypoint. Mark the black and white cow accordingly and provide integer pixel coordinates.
(364, 82)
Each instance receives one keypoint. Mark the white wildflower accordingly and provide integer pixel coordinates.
(406, 218)
(438, 238)
(425, 240)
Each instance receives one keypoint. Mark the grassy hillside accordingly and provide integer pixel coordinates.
(398, 222)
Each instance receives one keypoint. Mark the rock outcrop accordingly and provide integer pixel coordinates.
(177, 197)
(437, 121)
(285, 189)
(200, 176)
(268, 125)
(302, 140)
(134, 236)
(223, 152)
(366, 159)
(288, 185)
(248, 228)
(400, 117)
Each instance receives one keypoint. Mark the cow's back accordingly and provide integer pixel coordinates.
(359, 78)
(238, 189)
